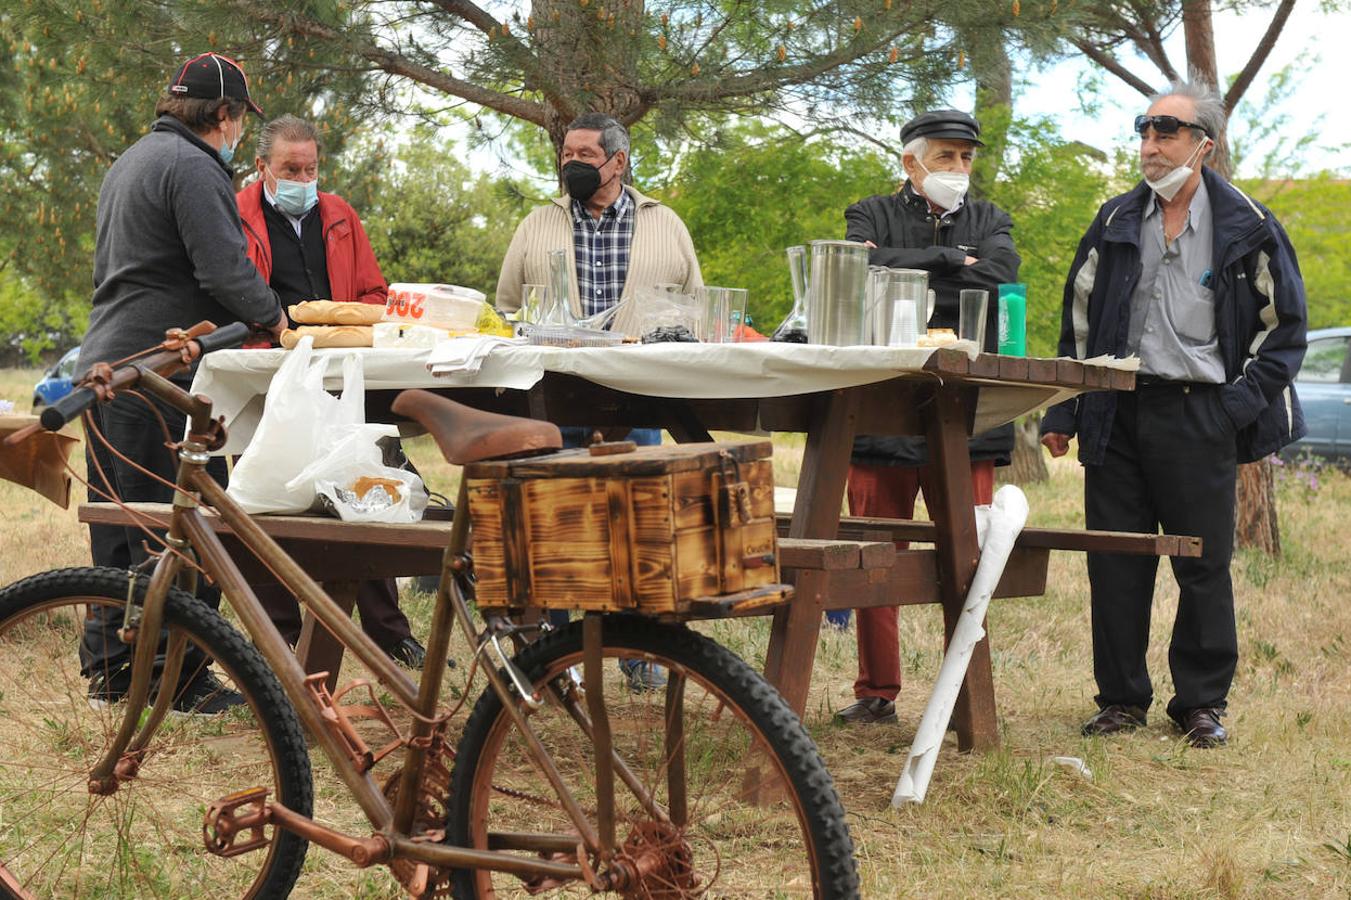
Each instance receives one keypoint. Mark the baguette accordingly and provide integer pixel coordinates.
(329, 336)
(336, 312)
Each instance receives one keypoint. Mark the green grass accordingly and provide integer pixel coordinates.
(1268, 816)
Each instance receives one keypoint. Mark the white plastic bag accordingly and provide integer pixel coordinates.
(293, 432)
(353, 455)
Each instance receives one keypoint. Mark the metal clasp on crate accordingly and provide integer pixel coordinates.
(734, 495)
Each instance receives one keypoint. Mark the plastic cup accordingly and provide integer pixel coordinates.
(971, 316)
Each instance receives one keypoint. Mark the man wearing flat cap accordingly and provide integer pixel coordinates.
(964, 244)
(168, 253)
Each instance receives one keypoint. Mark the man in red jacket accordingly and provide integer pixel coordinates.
(311, 246)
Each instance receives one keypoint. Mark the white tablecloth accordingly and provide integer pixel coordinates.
(237, 380)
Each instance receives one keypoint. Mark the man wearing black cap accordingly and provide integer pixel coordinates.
(928, 224)
(169, 252)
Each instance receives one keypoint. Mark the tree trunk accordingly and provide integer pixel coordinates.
(1198, 28)
(1256, 524)
(1029, 463)
(993, 72)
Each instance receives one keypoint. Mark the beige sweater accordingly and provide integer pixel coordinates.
(662, 252)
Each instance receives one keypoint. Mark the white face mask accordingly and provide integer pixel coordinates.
(1168, 186)
(944, 189)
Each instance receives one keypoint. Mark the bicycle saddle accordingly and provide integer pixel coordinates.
(468, 435)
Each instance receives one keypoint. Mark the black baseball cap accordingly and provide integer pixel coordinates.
(952, 124)
(211, 76)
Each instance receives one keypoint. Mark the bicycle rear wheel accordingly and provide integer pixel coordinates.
(145, 839)
(739, 801)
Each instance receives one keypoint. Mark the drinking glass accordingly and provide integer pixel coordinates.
(971, 316)
(724, 309)
(532, 303)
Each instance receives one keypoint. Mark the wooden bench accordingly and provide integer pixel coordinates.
(862, 569)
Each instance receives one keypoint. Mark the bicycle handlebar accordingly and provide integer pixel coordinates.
(74, 404)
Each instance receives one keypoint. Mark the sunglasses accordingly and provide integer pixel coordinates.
(1165, 125)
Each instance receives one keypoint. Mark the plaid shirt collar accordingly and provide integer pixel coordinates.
(615, 212)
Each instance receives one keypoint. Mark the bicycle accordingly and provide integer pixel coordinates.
(560, 782)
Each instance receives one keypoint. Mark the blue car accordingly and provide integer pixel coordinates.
(56, 383)
(1324, 386)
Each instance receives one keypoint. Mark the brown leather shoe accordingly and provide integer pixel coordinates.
(1202, 727)
(1114, 719)
(868, 711)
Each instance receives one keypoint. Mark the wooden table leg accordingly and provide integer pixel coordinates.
(816, 514)
(317, 649)
(952, 509)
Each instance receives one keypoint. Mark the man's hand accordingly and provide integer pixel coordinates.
(1058, 444)
(870, 245)
(970, 261)
(276, 330)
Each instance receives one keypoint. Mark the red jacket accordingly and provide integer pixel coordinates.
(353, 273)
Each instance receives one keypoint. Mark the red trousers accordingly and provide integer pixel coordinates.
(890, 491)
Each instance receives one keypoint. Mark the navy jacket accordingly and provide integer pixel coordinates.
(1260, 318)
(909, 236)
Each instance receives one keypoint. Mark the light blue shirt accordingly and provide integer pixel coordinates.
(1172, 325)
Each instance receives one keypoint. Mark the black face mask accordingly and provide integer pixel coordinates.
(581, 179)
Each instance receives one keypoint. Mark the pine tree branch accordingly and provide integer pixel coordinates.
(1259, 56)
(397, 64)
(759, 81)
(1109, 62)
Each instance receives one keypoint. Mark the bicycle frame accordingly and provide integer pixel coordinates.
(189, 532)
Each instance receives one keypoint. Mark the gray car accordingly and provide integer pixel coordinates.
(1324, 386)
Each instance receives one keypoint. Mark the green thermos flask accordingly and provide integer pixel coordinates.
(1013, 319)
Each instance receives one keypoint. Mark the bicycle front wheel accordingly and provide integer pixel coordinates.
(723, 793)
(57, 715)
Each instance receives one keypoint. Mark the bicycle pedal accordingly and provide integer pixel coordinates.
(233, 815)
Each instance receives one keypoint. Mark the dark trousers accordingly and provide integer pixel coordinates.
(377, 602)
(890, 491)
(134, 430)
(1171, 463)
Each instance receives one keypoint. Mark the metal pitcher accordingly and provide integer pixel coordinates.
(835, 284)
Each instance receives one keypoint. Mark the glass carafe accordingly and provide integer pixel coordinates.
(793, 330)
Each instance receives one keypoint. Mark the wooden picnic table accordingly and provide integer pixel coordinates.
(942, 399)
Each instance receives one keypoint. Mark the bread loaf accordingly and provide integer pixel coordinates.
(329, 336)
(333, 312)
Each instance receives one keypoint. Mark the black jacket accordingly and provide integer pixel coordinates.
(909, 236)
(169, 249)
(1260, 318)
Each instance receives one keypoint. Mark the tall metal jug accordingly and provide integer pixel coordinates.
(836, 292)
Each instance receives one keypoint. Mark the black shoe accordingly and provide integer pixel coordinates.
(408, 653)
(1202, 727)
(1114, 719)
(107, 687)
(868, 711)
(205, 696)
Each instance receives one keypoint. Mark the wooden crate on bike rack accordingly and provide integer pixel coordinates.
(649, 529)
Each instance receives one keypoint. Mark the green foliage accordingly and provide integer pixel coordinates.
(1314, 214)
(1052, 190)
(434, 221)
(757, 190)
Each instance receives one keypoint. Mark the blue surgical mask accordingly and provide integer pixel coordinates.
(296, 197)
(227, 149)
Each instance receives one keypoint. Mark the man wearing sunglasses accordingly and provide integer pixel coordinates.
(1201, 283)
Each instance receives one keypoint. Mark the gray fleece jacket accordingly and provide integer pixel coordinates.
(169, 250)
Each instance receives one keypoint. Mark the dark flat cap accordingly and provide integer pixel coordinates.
(952, 124)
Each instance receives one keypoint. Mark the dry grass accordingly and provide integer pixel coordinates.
(1269, 816)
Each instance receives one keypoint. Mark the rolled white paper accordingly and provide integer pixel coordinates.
(997, 529)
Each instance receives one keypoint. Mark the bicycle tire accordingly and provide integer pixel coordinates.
(146, 838)
(485, 790)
